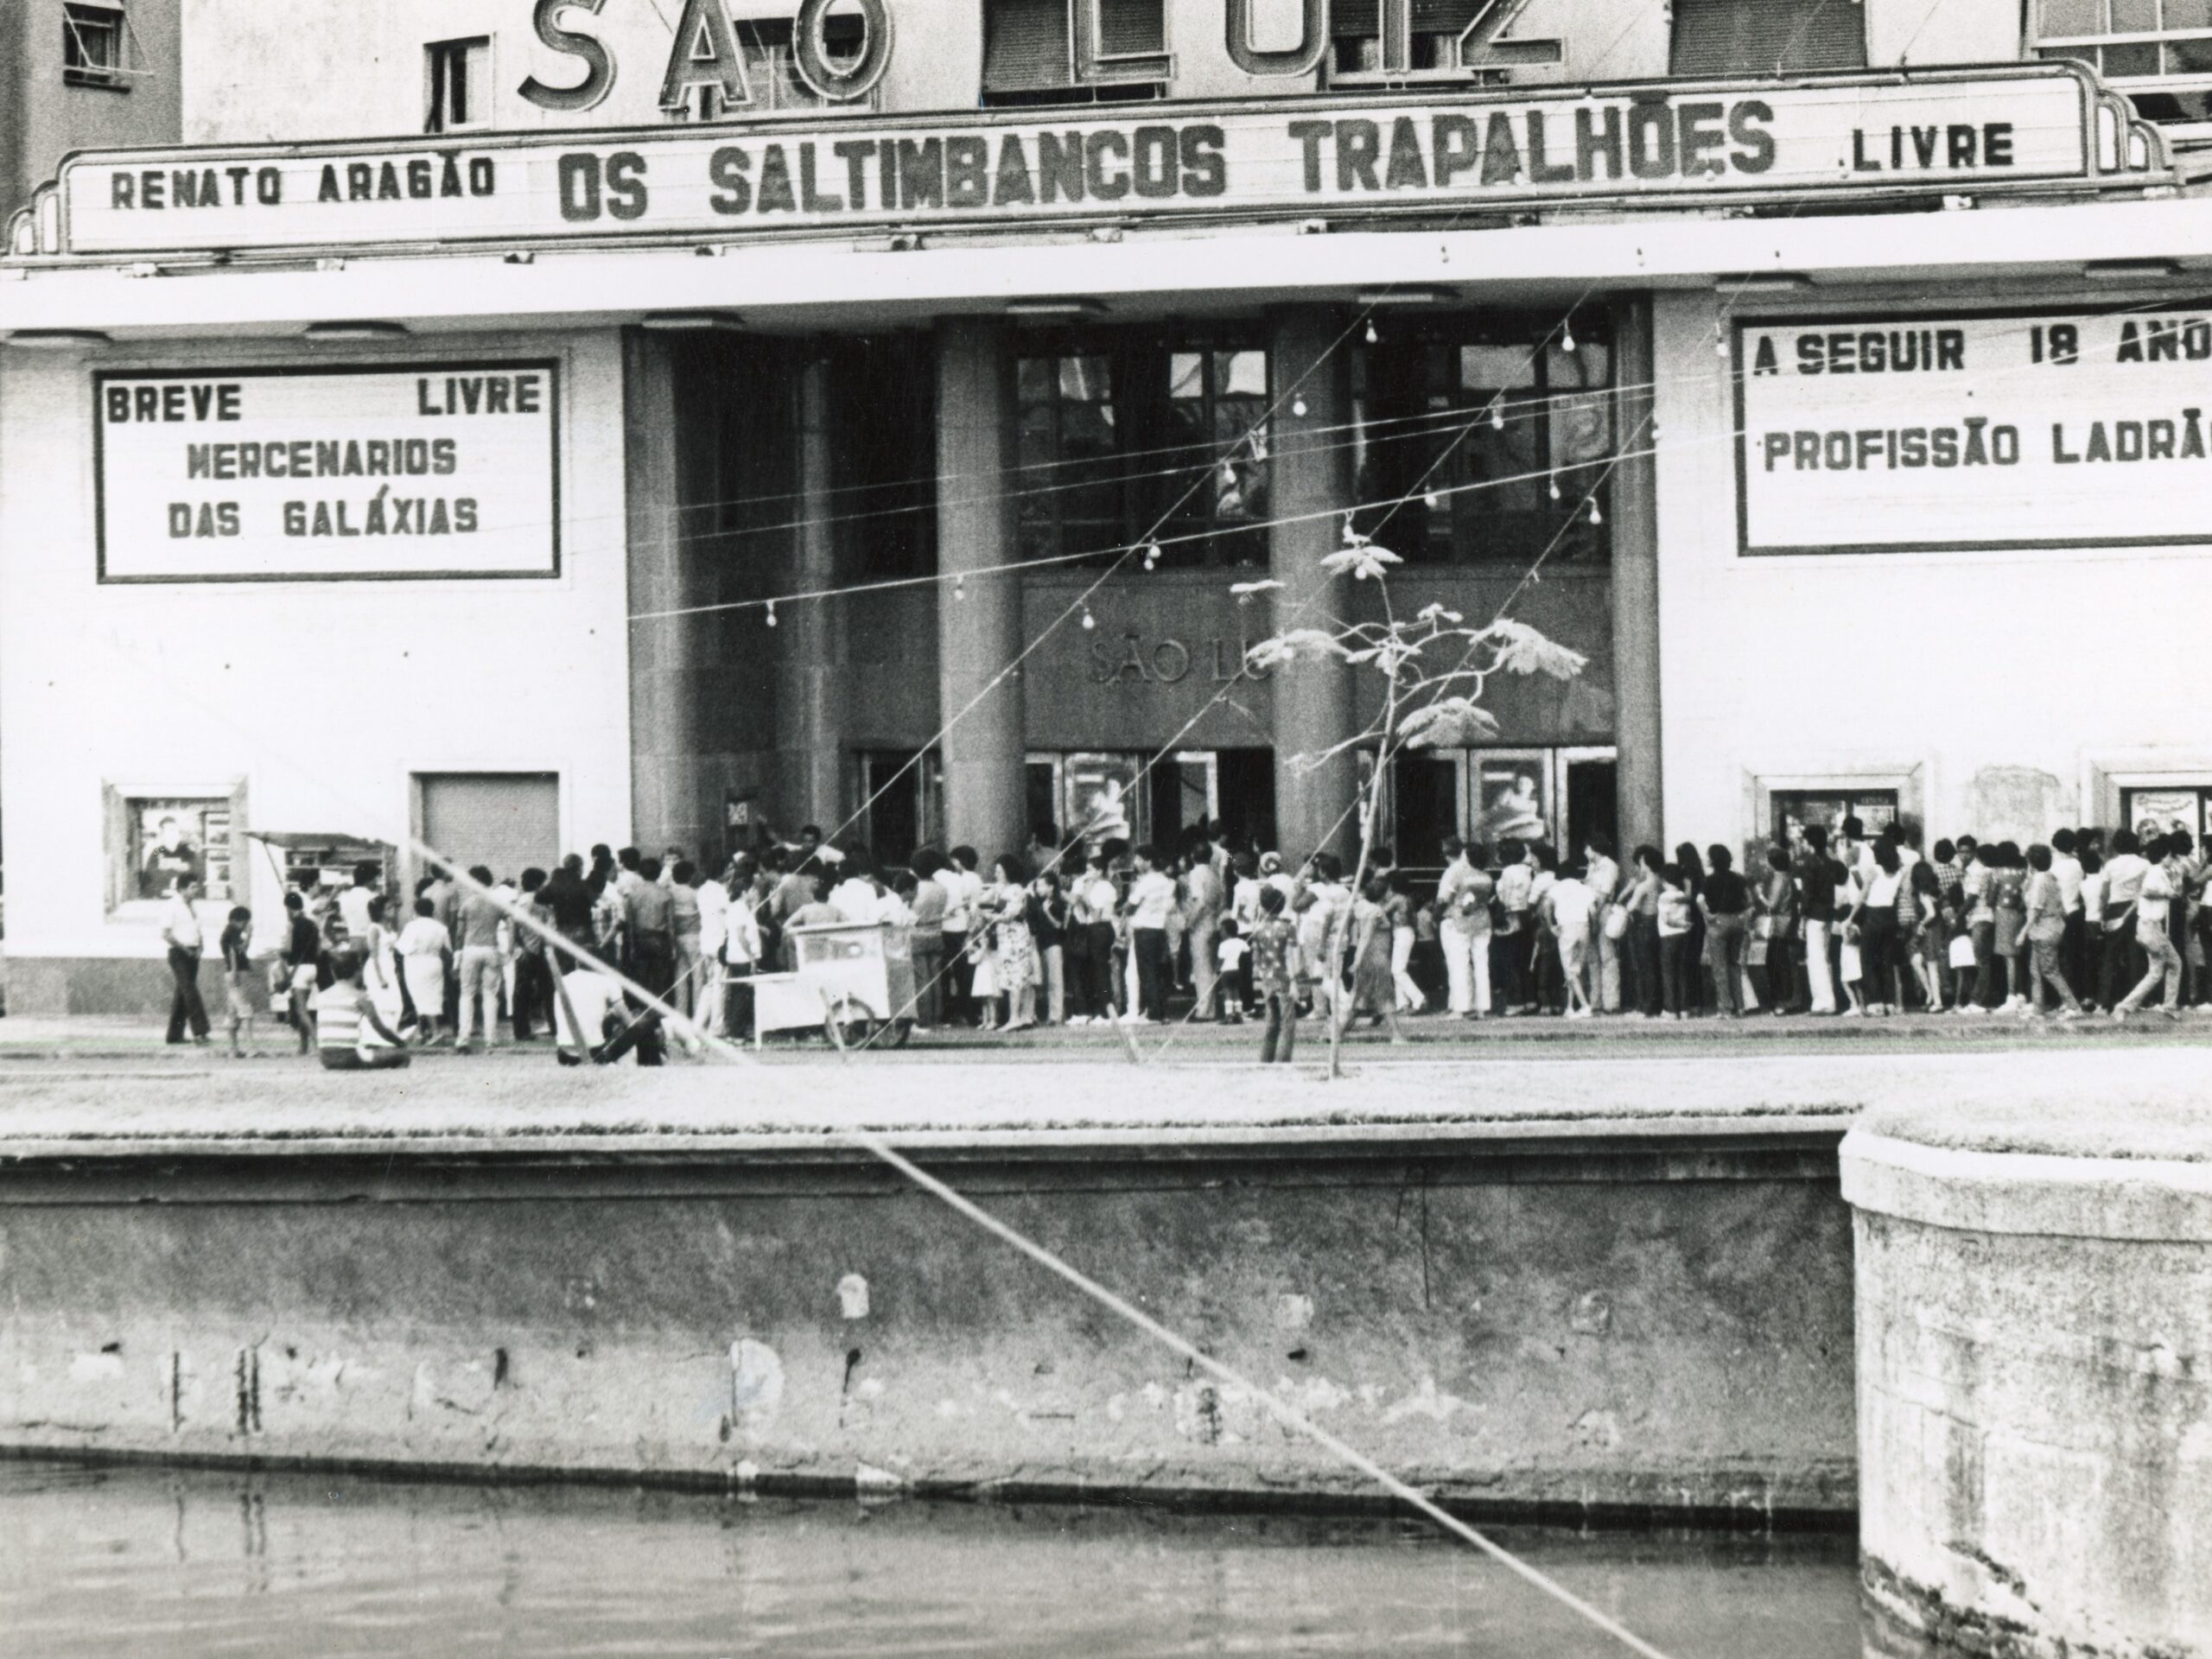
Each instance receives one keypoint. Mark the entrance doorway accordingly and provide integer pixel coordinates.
(1592, 797)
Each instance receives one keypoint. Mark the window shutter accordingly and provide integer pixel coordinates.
(1759, 37)
(1026, 46)
(1129, 27)
(1446, 16)
(1356, 18)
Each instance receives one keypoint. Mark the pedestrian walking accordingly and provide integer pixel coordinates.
(237, 948)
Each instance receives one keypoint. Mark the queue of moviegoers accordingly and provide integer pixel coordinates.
(1079, 932)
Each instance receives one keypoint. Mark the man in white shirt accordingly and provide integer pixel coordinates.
(964, 888)
(591, 1022)
(354, 901)
(180, 933)
(1463, 930)
(714, 929)
(1152, 895)
(2124, 873)
(2067, 868)
(2155, 895)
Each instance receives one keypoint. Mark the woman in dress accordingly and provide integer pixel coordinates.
(2008, 899)
(1374, 987)
(1014, 951)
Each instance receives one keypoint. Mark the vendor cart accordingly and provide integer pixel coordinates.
(855, 980)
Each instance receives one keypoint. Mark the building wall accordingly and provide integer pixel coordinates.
(1992, 688)
(42, 119)
(320, 698)
(254, 74)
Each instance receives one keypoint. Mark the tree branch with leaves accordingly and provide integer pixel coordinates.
(1434, 667)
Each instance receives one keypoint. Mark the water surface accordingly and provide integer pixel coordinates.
(140, 1561)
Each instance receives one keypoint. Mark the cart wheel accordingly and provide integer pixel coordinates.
(848, 1023)
(901, 1031)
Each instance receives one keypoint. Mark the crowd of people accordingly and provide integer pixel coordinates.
(1852, 925)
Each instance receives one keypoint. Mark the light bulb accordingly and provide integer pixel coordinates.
(1596, 517)
(1227, 476)
(1298, 406)
(772, 613)
(960, 587)
(1372, 336)
(1431, 501)
(1566, 335)
(1497, 416)
(1152, 555)
(1554, 486)
(1089, 621)
(1721, 345)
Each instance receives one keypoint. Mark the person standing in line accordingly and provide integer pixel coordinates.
(1930, 943)
(1777, 902)
(237, 948)
(1048, 931)
(2093, 923)
(2122, 963)
(2045, 902)
(1602, 876)
(1398, 912)
(477, 954)
(1672, 921)
(1543, 958)
(533, 981)
(859, 896)
(1233, 987)
(1567, 909)
(1817, 877)
(1152, 895)
(1004, 914)
(687, 927)
(927, 938)
(1203, 903)
(302, 957)
(1275, 968)
(354, 901)
(743, 952)
(1373, 989)
(1644, 992)
(2006, 898)
(1978, 888)
(1098, 919)
(566, 901)
(712, 896)
(425, 949)
(1463, 894)
(1874, 918)
(444, 894)
(1511, 939)
(1726, 904)
(648, 925)
(1695, 988)
(2154, 900)
(964, 888)
(2073, 949)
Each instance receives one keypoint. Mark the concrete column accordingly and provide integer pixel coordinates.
(811, 689)
(666, 653)
(1635, 579)
(1311, 488)
(979, 619)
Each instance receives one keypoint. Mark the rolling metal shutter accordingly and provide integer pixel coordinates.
(1026, 46)
(505, 820)
(1360, 18)
(1765, 37)
(1128, 27)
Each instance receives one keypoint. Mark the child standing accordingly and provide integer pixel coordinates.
(1274, 971)
(424, 949)
(1233, 986)
(238, 978)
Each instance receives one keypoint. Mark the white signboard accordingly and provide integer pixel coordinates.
(2019, 429)
(302, 474)
(1677, 140)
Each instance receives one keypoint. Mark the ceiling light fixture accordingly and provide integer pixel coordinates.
(358, 328)
(57, 340)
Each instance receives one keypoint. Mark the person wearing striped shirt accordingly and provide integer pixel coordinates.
(350, 1034)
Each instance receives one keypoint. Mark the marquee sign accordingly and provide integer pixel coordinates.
(2026, 429)
(302, 474)
(2032, 125)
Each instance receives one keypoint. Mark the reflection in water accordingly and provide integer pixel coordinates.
(190, 1563)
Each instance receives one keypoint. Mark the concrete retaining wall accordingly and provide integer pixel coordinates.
(2035, 1397)
(1592, 1323)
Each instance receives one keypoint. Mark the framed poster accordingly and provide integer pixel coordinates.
(1103, 797)
(2161, 811)
(1513, 796)
(360, 473)
(157, 836)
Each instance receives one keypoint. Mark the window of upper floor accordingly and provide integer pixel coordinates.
(97, 48)
(1761, 37)
(456, 85)
(2160, 52)
(1051, 52)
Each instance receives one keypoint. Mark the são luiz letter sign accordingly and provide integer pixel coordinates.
(2025, 126)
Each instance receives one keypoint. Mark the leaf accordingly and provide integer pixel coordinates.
(1522, 649)
(1447, 723)
(1289, 646)
(1364, 560)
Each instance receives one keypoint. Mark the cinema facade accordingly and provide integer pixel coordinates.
(523, 488)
